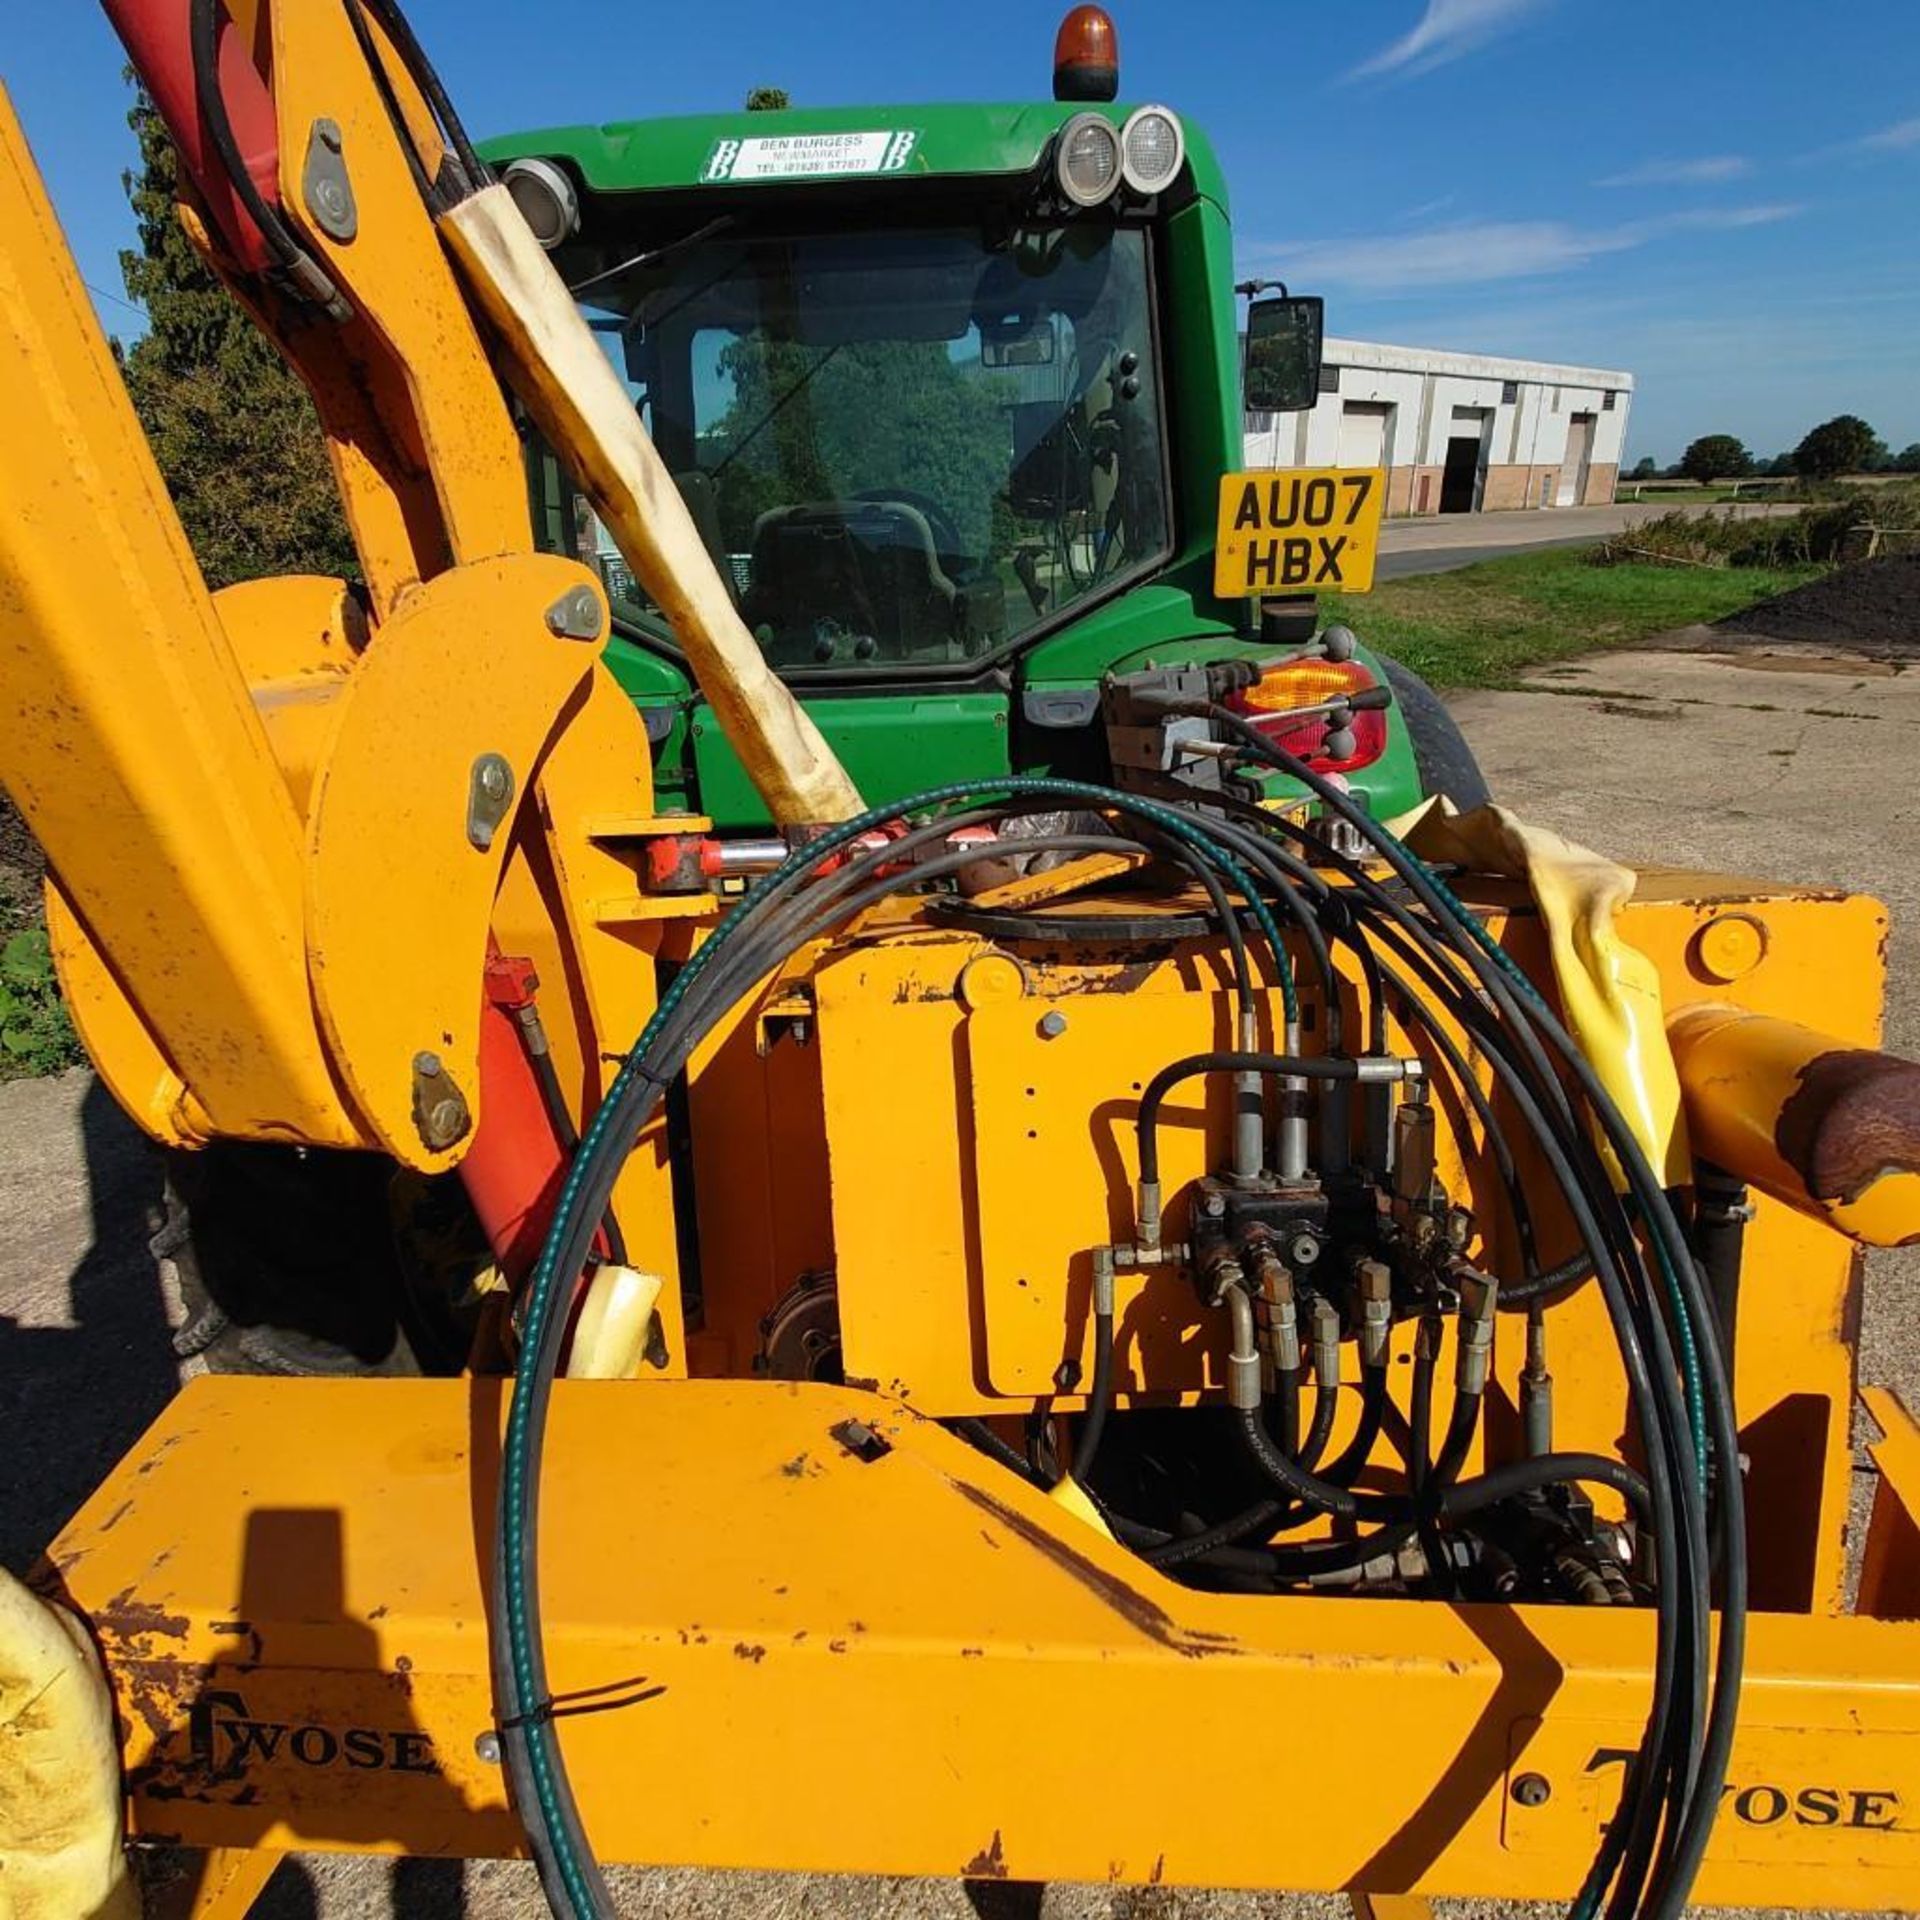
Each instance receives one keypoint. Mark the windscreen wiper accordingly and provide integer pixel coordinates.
(655, 254)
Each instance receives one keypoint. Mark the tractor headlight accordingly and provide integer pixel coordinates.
(547, 201)
(1153, 149)
(1087, 159)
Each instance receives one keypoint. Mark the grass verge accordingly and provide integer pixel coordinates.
(1482, 626)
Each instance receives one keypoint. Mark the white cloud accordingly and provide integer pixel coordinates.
(1681, 173)
(1471, 254)
(1894, 139)
(1446, 256)
(1902, 137)
(1445, 31)
(1723, 217)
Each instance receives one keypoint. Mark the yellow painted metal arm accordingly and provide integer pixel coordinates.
(1831, 1129)
(131, 745)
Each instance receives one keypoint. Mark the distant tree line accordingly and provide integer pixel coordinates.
(1844, 444)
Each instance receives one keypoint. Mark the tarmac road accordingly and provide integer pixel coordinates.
(1436, 543)
(1788, 766)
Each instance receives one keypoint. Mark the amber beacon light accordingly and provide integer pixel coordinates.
(1086, 56)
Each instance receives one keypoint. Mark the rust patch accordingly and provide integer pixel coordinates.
(802, 1464)
(1131, 975)
(133, 1624)
(159, 1453)
(990, 1863)
(155, 1697)
(1133, 1606)
(749, 1650)
(1854, 1118)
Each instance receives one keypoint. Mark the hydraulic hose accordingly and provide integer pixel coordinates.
(537, 1769)
(1692, 1767)
(1287, 1065)
(1645, 1857)
(1100, 1389)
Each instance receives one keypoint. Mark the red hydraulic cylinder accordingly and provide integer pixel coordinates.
(514, 1166)
(158, 37)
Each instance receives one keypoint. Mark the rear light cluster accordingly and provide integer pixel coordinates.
(1272, 702)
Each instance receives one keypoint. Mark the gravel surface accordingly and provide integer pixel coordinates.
(1743, 778)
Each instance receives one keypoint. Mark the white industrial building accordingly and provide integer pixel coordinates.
(1457, 432)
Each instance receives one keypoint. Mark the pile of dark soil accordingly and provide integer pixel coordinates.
(1871, 608)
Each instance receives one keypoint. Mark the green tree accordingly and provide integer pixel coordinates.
(768, 100)
(1843, 444)
(236, 436)
(1907, 460)
(1644, 468)
(891, 416)
(1715, 456)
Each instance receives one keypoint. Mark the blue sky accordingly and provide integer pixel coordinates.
(1723, 200)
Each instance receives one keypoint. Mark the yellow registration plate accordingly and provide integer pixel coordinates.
(1303, 530)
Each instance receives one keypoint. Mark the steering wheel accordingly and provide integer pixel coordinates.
(946, 536)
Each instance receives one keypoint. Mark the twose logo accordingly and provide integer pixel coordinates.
(1766, 1803)
(228, 1740)
(1300, 532)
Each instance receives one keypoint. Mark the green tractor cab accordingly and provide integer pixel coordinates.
(950, 392)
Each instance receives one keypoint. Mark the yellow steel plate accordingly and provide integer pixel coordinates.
(1306, 530)
(844, 1660)
(1845, 1793)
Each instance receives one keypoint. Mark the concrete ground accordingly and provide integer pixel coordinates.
(1780, 765)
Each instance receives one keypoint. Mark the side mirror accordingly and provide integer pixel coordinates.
(1283, 353)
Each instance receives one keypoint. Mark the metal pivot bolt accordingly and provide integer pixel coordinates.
(440, 1111)
(487, 1747)
(489, 796)
(575, 615)
(1052, 1025)
(325, 185)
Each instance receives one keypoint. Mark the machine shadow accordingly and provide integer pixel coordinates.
(76, 1398)
(345, 1747)
(1529, 1678)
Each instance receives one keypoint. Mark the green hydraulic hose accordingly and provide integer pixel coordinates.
(514, 1549)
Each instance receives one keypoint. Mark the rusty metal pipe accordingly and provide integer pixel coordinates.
(1830, 1129)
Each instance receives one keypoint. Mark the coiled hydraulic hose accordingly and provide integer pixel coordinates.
(698, 997)
(1647, 1861)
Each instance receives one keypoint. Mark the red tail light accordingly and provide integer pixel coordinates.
(1271, 704)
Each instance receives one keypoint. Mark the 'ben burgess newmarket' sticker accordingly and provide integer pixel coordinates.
(809, 156)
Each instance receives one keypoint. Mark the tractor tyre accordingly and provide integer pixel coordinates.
(1445, 762)
(286, 1264)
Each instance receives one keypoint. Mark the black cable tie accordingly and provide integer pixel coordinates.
(568, 1706)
